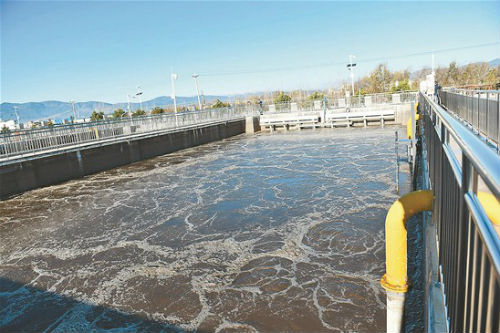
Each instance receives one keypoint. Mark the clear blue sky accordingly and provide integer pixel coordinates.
(102, 50)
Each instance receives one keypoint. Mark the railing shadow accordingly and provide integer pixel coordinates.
(24, 308)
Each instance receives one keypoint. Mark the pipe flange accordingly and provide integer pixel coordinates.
(391, 287)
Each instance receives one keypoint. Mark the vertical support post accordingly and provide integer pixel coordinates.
(323, 119)
(498, 118)
(478, 97)
(487, 113)
(413, 128)
(396, 148)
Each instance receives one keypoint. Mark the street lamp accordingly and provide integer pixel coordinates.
(174, 77)
(195, 77)
(138, 94)
(74, 111)
(17, 116)
(128, 102)
(350, 66)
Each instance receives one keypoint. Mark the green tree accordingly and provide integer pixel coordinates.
(219, 104)
(157, 110)
(378, 79)
(139, 113)
(282, 98)
(402, 86)
(96, 116)
(118, 113)
(316, 95)
(493, 76)
(5, 130)
(452, 75)
(50, 123)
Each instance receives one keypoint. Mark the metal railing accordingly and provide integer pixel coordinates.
(22, 142)
(18, 143)
(460, 164)
(479, 108)
(340, 103)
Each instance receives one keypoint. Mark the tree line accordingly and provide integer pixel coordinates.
(380, 79)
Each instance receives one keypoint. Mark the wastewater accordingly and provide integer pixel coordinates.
(273, 232)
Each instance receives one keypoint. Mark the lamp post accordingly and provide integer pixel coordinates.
(17, 116)
(195, 77)
(138, 94)
(174, 77)
(128, 102)
(351, 66)
(74, 111)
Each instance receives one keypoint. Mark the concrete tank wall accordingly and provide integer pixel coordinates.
(25, 175)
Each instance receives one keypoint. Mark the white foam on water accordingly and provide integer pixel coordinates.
(277, 219)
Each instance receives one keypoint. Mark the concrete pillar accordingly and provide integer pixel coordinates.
(317, 105)
(396, 98)
(252, 125)
(402, 113)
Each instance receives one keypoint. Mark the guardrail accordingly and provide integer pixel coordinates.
(338, 103)
(22, 142)
(479, 108)
(460, 164)
(18, 143)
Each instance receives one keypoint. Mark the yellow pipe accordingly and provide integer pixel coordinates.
(491, 206)
(395, 237)
(409, 125)
(405, 207)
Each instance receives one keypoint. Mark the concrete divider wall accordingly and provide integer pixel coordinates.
(25, 175)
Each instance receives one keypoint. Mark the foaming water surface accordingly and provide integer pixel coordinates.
(269, 232)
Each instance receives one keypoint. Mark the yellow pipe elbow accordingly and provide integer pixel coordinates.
(405, 207)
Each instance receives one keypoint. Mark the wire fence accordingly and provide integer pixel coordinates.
(479, 108)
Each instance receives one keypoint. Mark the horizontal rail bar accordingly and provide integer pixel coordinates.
(486, 162)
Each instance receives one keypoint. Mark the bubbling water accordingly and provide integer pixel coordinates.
(261, 233)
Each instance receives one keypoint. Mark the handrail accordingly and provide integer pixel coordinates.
(468, 243)
(484, 159)
(452, 89)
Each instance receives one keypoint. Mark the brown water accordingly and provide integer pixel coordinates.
(272, 232)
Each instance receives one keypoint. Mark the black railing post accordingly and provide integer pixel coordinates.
(460, 306)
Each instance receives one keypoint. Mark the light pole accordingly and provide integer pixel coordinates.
(17, 116)
(138, 94)
(128, 102)
(351, 66)
(195, 77)
(173, 77)
(74, 111)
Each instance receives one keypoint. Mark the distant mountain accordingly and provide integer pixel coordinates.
(57, 110)
(494, 63)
